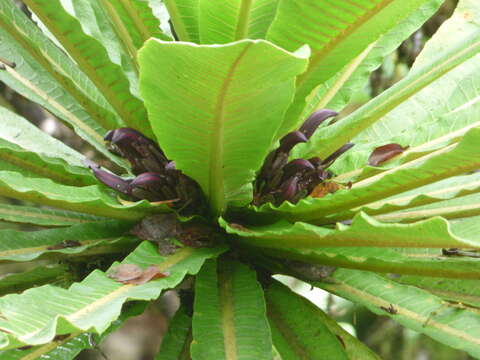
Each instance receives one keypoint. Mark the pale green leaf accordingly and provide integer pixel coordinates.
(215, 109)
(184, 15)
(229, 319)
(413, 308)
(337, 32)
(222, 22)
(94, 303)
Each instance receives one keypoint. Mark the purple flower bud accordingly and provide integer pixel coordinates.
(290, 140)
(288, 190)
(111, 180)
(297, 166)
(313, 122)
(335, 155)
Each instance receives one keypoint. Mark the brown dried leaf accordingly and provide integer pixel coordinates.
(325, 188)
(126, 272)
(384, 153)
(150, 273)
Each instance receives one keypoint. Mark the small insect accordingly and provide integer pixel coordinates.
(390, 309)
(64, 244)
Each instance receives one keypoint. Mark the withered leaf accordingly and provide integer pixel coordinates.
(239, 227)
(150, 273)
(385, 152)
(134, 275)
(125, 272)
(64, 244)
(325, 188)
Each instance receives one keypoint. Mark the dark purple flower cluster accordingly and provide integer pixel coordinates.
(282, 180)
(156, 179)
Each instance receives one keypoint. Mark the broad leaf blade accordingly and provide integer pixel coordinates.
(336, 31)
(88, 199)
(93, 59)
(27, 245)
(44, 216)
(307, 332)
(227, 102)
(184, 16)
(229, 319)
(46, 75)
(223, 22)
(414, 308)
(94, 303)
(176, 343)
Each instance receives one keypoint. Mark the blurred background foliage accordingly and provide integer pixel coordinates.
(141, 336)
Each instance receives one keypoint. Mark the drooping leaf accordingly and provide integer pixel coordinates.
(46, 75)
(412, 307)
(455, 159)
(27, 245)
(88, 199)
(184, 15)
(93, 59)
(301, 330)
(206, 92)
(92, 304)
(222, 22)
(229, 319)
(176, 343)
(337, 32)
(44, 216)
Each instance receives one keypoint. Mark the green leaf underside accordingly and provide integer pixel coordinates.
(47, 76)
(456, 290)
(302, 333)
(435, 232)
(415, 308)
(93, 59)
(427, 262)
(222, 22)
(94, 303)
(18, 282)
(184, 16)
(455, 159)
(25, 246)
(88, 199)
(225, 101)
(307, 332)
(229, 320)
(341, 132)
(176, 343)
(337, 32)
(44, 216)
(337, 91)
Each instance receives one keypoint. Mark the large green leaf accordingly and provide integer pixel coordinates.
(215, 109)
(91, 199)
(92, 57)
(222, 22)
(363, 231)
(412, 307)
(341, 132)
(455, 159)
(92, 304)
(229, 319)
(46, 75)
(176, 343)
(307, 332)
(184, 16)
(43, 216)
(336, 31)
(411, 261)
(24, 148)
(27, 245)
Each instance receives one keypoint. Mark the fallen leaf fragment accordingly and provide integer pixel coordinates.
(385, 152)
(325, 188)
(134, 275)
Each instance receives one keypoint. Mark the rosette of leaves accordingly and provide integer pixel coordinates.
(214, 90)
